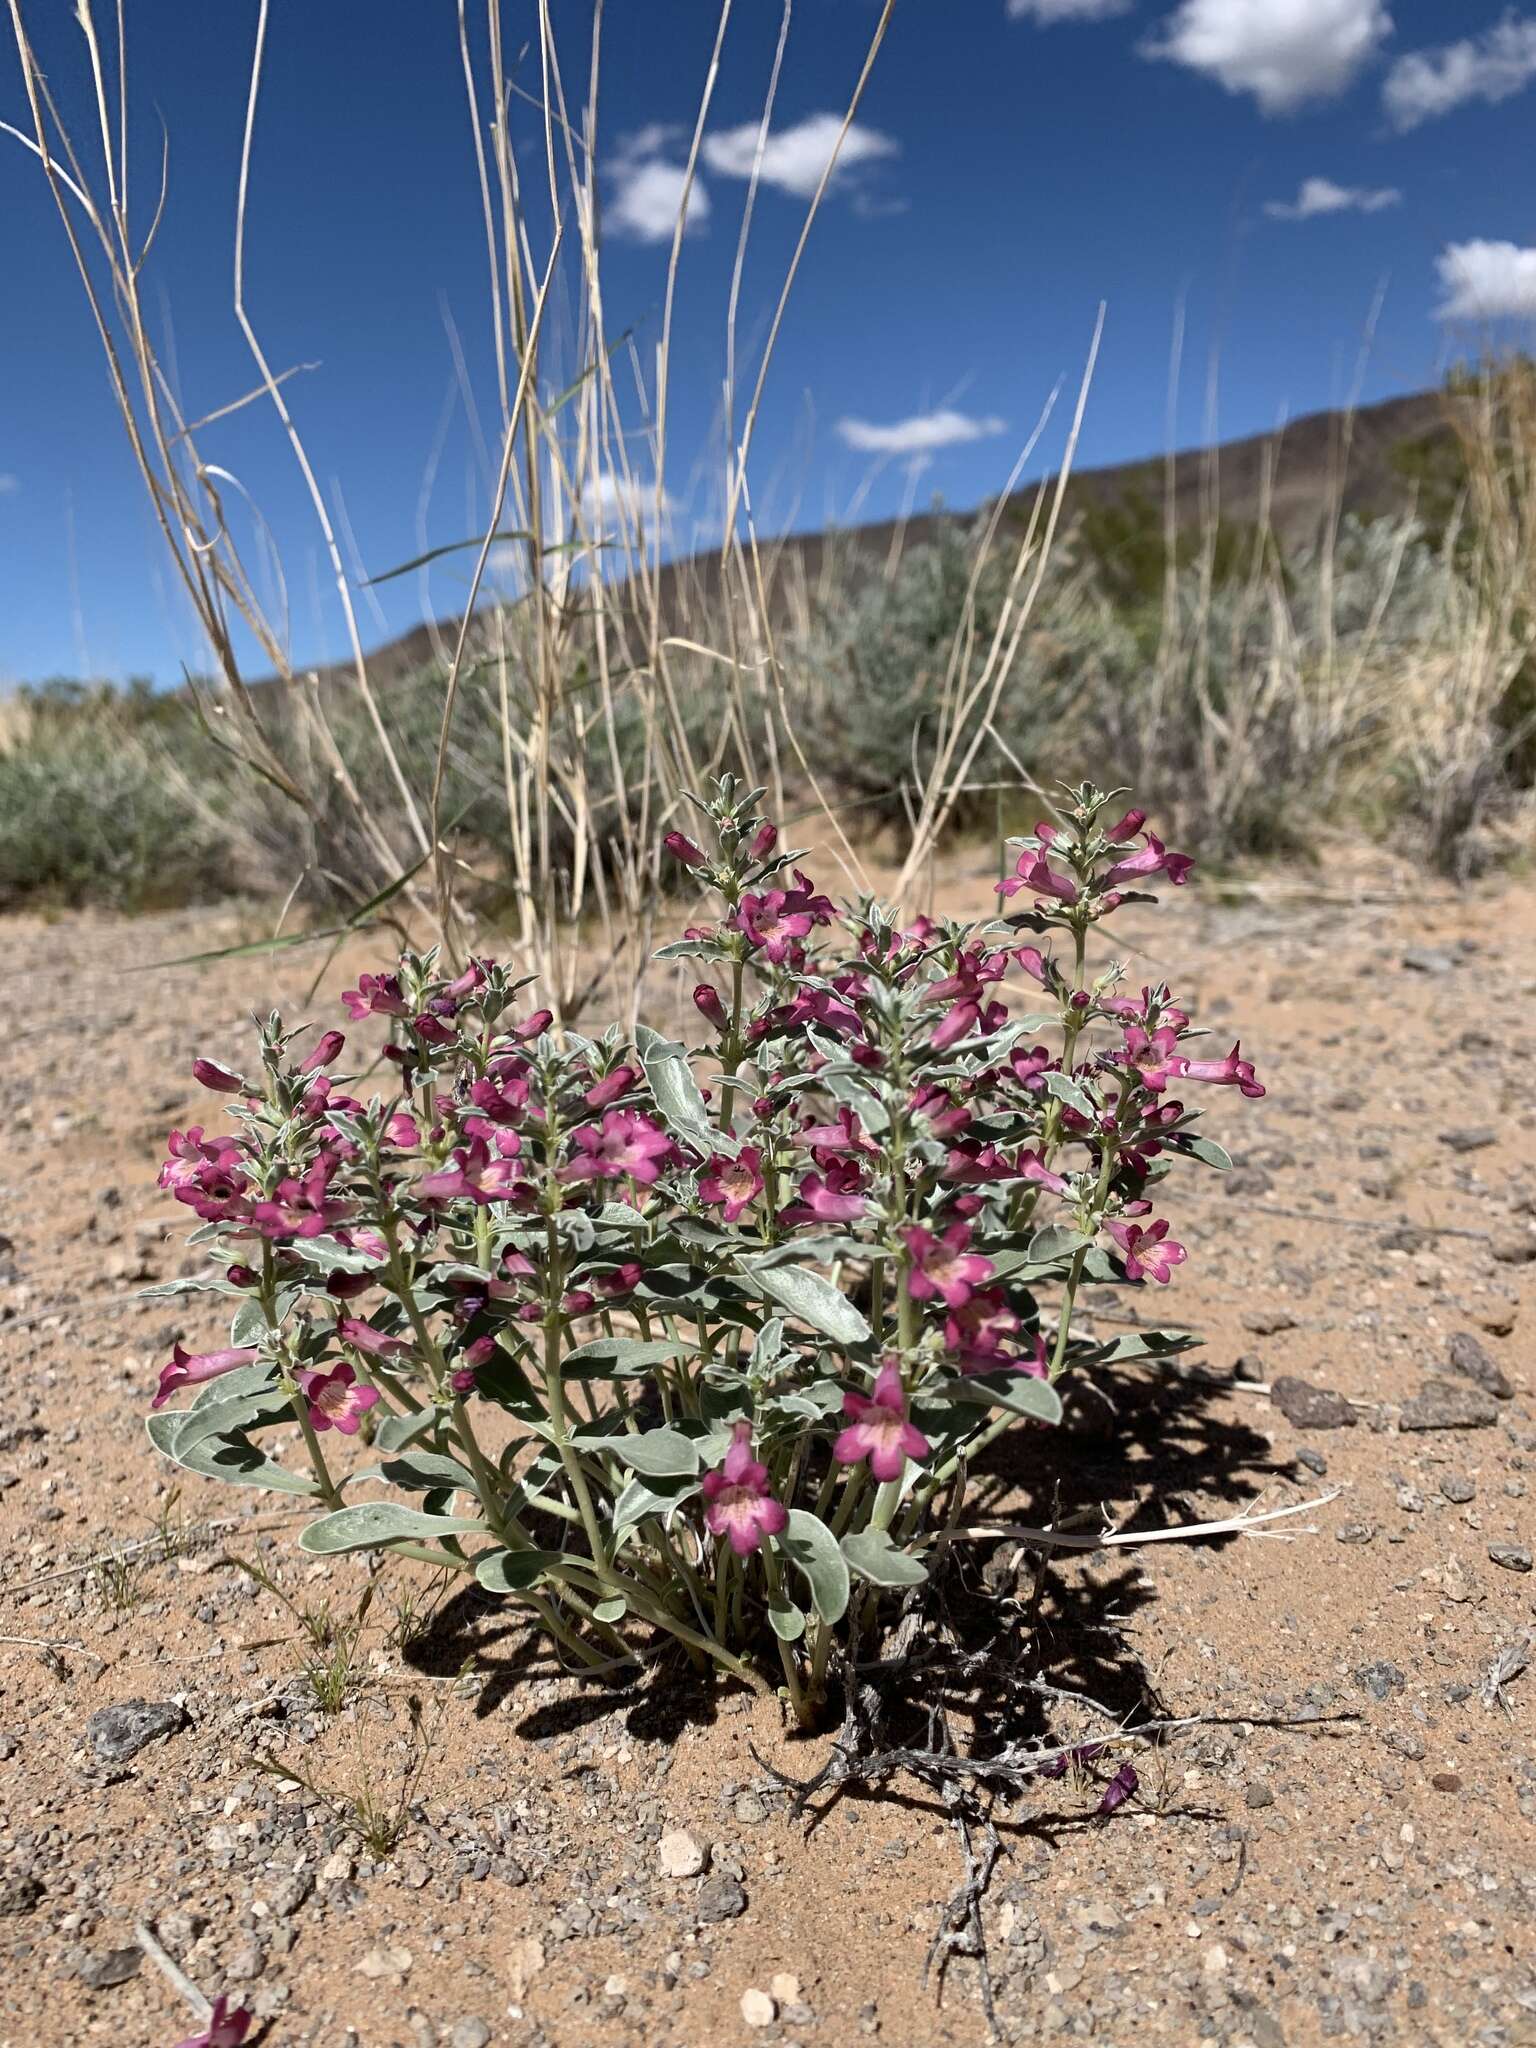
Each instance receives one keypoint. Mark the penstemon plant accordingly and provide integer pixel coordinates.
(698, 1341)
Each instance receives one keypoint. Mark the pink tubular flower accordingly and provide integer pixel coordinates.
(336, 1400)
(764, 840)
(376, 995)
(977, 1164)
(611, 1087)
(1032, 960)
(366, 1337)
(741, 1508)
(1033, 871)
(403, 1132)
(845, 1134)
(944, 1266)
(1232, 1072)
(1126, 828)
(1153, 859)
(1032, 1167)
(979, 1337)
(878, 1428)
(501, 1095)
(732, 1185)
(682, 848)
(837, 1196)
(227, 2027)
(773, 922)
(208, 1175)
(1149, 1253)
(191, 1368)
(534, 1026)
(209, 1074)
(628, 1146)
(1153, 1056)
(325, 1050)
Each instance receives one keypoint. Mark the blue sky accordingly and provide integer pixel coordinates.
(1269, 163)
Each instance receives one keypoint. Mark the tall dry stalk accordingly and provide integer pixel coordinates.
(607, 668)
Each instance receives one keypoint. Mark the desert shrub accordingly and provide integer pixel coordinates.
(107, 799)
(702, 1341)
(873, 675)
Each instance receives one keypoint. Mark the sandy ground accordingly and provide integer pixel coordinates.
(1342, 1849)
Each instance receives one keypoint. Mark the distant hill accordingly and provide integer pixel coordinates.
(1294, 472)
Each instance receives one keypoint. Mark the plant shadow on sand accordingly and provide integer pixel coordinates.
(1004, 1634)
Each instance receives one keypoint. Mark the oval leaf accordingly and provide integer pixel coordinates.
(619, 1358)
(875, 1557)
(514, 1571)
(812, 1548)
(373, 1523)
(811, 1300)
(1019, 1392)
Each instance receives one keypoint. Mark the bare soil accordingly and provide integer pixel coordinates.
(1341, 1848)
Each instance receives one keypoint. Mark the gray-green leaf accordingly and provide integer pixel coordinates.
(811, 1299)
(812, 1548)
(875, 1557)
(371, 1524)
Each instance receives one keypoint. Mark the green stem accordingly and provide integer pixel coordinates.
(312, 1444)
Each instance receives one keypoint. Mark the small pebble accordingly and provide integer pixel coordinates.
(681, 1854)
(758, 2009)
(1514, 1557)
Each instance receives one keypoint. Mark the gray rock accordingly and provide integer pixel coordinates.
(20, 1894)
(1307, 1407)
(1355, 1532)
(120, 1732)
(1258, 1794)
(1446, 1404)
(721, 1898)
(1514, 1557)
(469, 2033)
(1458, 1490)
(1426, 960)
(1251, 1369)
(1468, 1357)
(1514, 1251)
(1313, 1460)
(1268, 1322)
(1470, 1140)
(113, 1966)
(1380, 1680)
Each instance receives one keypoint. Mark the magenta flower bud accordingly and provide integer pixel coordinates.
(325, 1051)
(1080, 999)
(764, 840)
(243, 1276)
(706, 1000)
(682, 848)
(611, 1087)
(1128, 827)
(532, 1026)
(212, 1075)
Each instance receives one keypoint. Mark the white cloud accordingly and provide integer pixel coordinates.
(1493, 66)
(919, 435)
(1321, 195)
(8, 483)
(1046, 12)
(1486, 281)
(646, 200)
(794, 158)
(1284, 52)
(615, 507)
